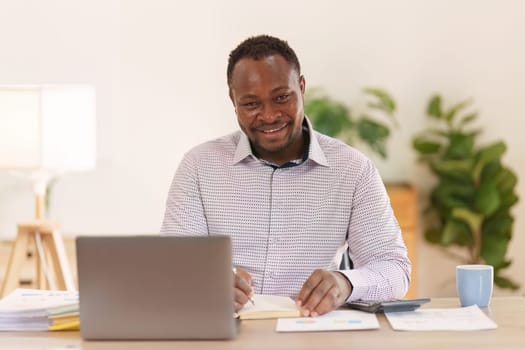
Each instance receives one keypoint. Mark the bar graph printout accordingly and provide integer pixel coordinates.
(338, 320)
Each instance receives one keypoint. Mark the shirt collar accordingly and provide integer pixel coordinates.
(315, 152)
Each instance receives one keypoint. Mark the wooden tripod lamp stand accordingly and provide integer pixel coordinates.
(44, 130)
(52, 269)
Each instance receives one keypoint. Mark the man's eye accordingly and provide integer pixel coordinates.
(282, 98)
(252, 104)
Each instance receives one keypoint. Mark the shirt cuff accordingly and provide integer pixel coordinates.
(359, 284)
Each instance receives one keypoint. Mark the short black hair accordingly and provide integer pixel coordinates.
(261, 46)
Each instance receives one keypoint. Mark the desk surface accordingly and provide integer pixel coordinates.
(507, 312)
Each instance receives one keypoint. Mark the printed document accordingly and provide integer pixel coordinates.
(468, 318)
(337, 320)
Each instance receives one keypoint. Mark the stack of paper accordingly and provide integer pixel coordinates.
(39, 310)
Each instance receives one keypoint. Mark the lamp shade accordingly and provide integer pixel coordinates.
(48, 127)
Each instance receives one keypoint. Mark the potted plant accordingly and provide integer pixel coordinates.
(333, 118)
(470, 205)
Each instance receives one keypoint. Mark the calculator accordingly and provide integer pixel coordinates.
(388, 306)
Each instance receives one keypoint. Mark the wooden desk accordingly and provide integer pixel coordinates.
(508, 312)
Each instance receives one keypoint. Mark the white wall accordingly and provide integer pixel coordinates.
(159, 68)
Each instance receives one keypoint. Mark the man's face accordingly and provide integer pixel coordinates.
(268, 98)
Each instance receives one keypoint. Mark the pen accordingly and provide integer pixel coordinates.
(234, 269)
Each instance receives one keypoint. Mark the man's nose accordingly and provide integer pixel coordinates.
(269, 113)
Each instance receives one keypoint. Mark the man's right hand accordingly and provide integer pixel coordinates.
(242, 288)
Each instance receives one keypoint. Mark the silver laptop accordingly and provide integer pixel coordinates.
(155, 287)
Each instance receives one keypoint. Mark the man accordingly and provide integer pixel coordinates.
(290, 198)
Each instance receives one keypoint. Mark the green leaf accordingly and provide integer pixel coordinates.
(456, 232)
(472, 219)
(457, 169)
(426, 147)
(451, 113)
(504, 282)
(507, 200)
(384, 101)
(494, 248)
(490, 172)
(447, 196)
(474, 133)
(434, 107)
(487, 199)
(506, 180)
(500, 225)
(487, 155)
(490, 153)
(374, 134)
(503, 265)
(469, 118)
(454, 194)
(460, 146)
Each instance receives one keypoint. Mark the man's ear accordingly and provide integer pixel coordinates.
(230, 93)
(302, 83)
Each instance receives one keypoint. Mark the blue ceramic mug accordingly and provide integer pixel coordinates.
(474, 284)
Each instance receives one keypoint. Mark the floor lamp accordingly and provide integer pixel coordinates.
(45, 130)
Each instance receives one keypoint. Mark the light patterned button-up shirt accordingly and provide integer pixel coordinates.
(286, 222)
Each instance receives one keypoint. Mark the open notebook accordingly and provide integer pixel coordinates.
(269, 306)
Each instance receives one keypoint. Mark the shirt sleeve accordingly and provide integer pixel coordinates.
(378, 252)
(184, 214)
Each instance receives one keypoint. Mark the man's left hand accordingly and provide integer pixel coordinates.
(323, 292)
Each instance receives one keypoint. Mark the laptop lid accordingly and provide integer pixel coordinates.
(155, 287)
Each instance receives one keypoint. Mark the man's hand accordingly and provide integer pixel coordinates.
(243, 288)
(322, 292)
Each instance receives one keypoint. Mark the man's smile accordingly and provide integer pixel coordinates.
(272, 129)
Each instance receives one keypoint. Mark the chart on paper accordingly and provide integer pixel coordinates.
(338, 320)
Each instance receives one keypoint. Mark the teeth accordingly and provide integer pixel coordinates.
(274, 130)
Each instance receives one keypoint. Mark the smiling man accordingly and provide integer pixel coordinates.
(291, 198)
(267, 93)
